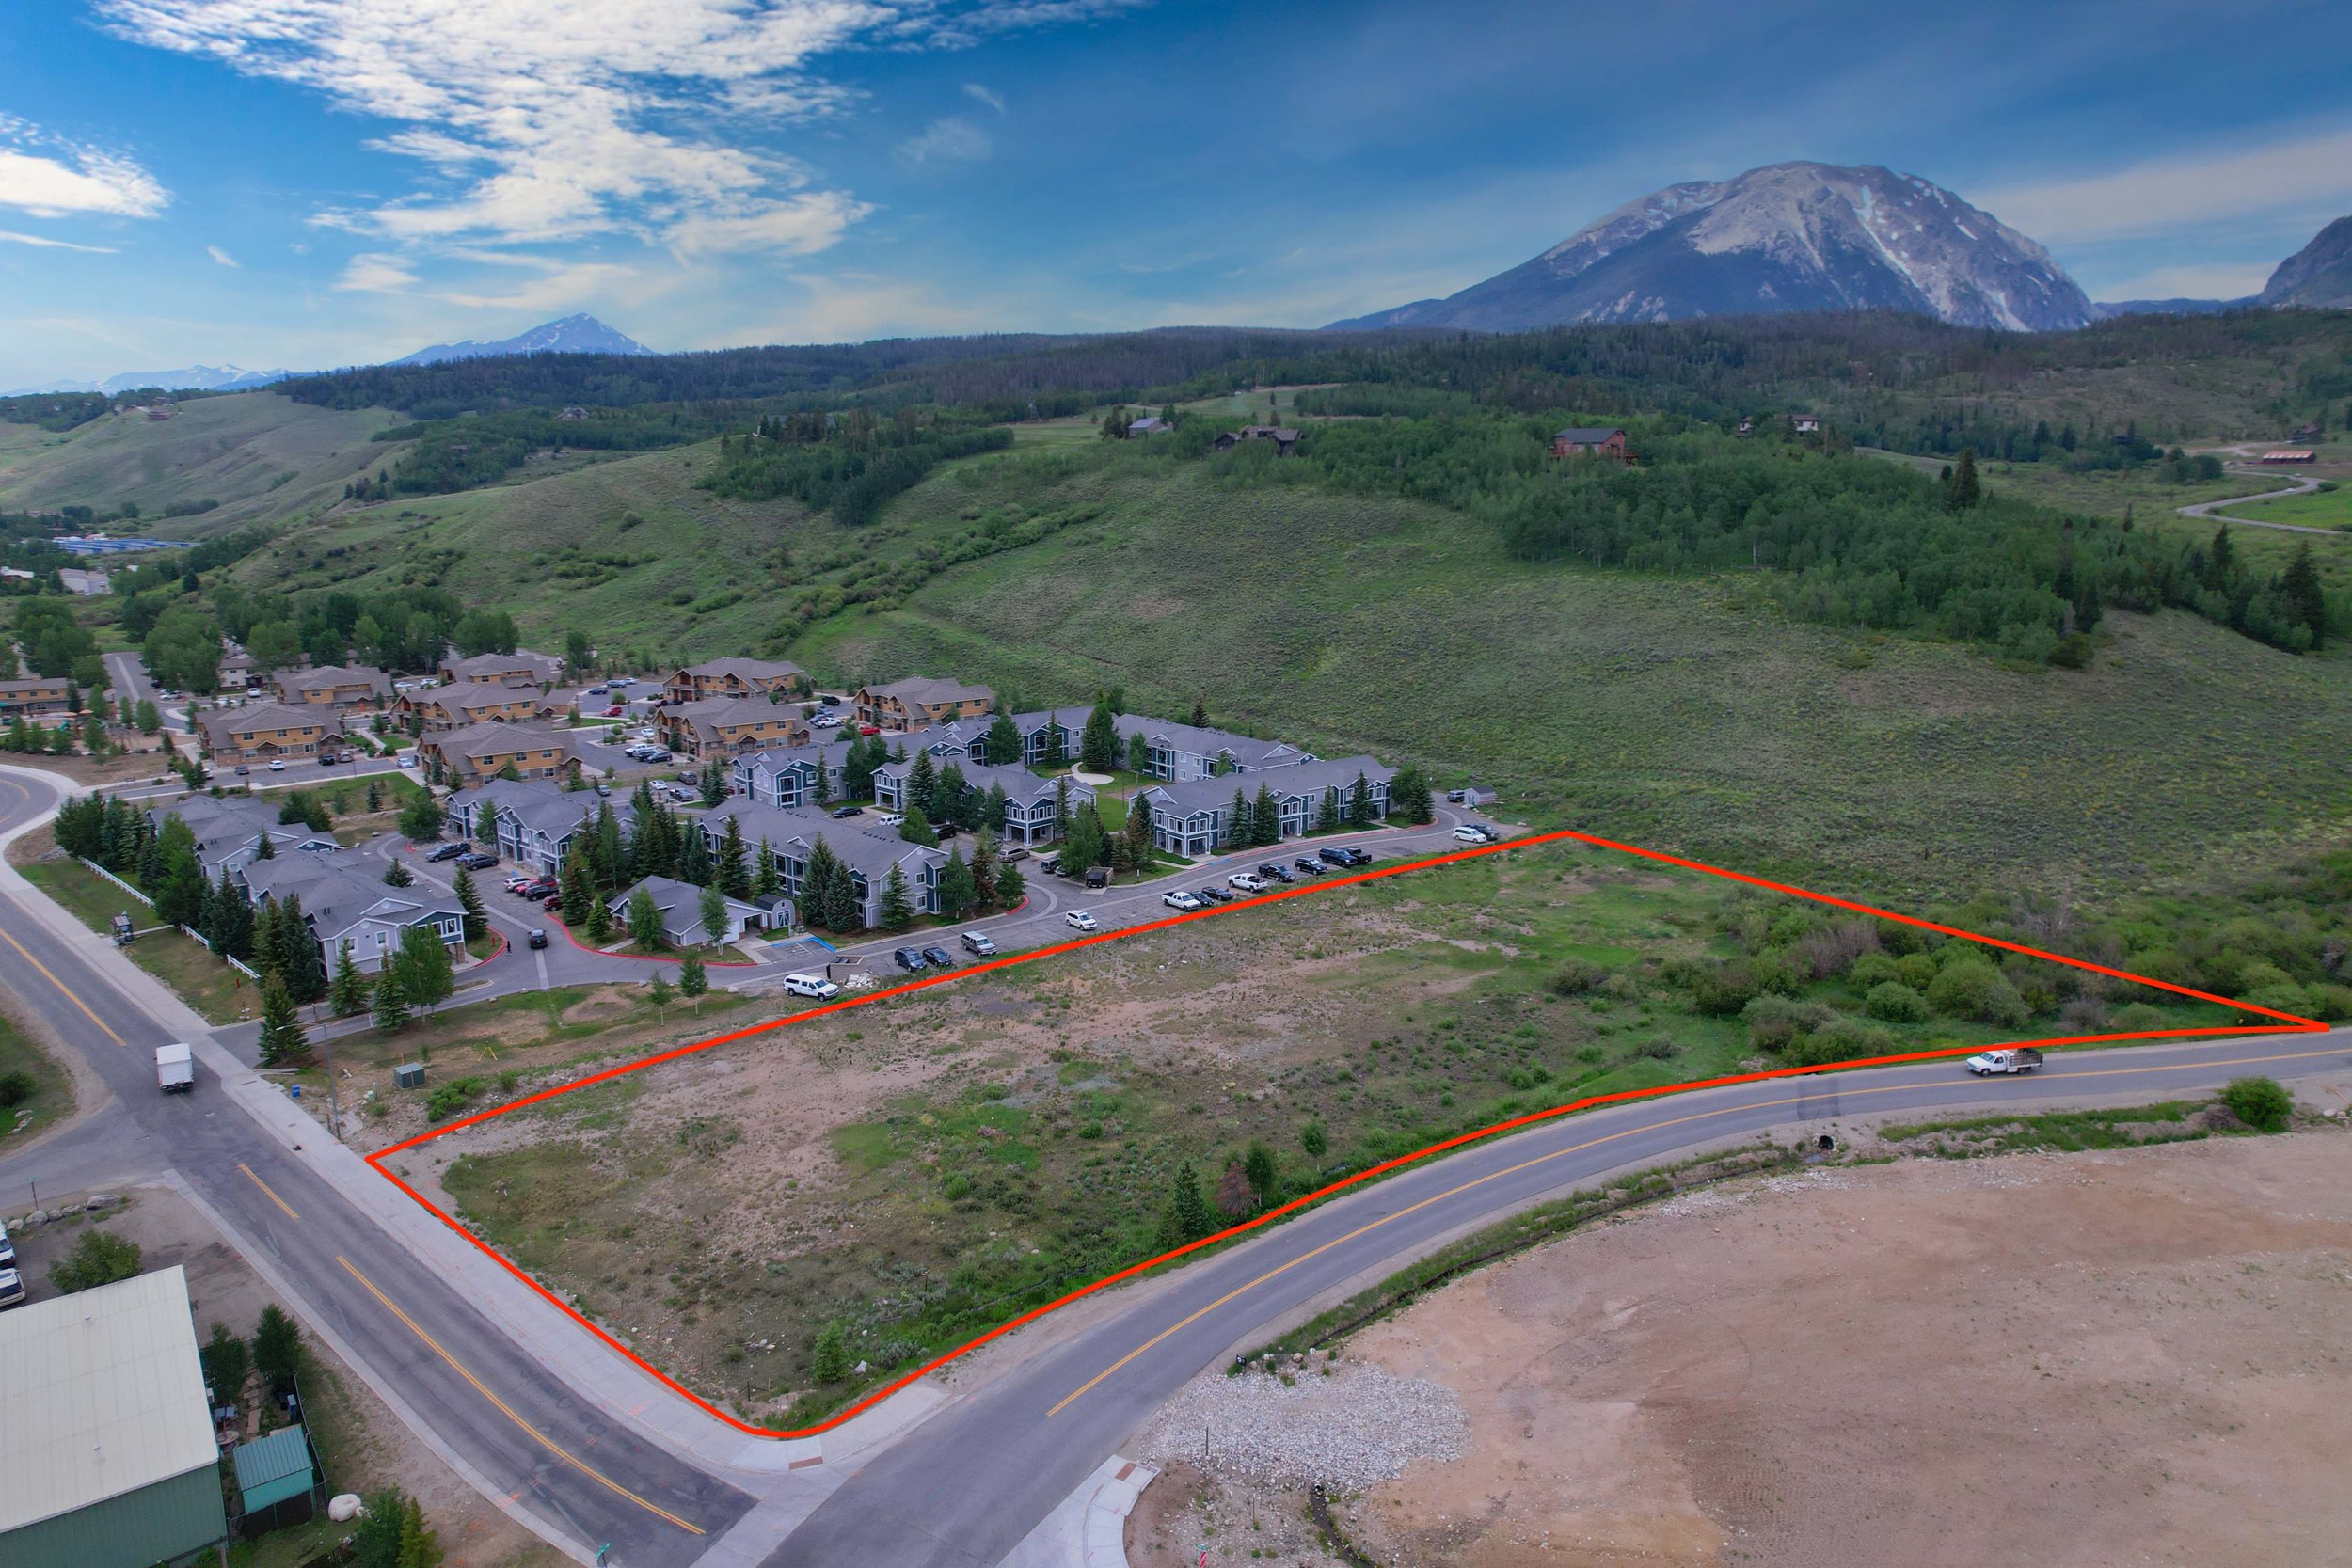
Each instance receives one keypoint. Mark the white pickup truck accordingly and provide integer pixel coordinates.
(175, 1069)
(2023, 1058)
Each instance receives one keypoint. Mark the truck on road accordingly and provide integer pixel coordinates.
(175, 1069)
(2023, 1058)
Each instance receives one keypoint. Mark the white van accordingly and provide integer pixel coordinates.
(811, 984)
(1472, 833)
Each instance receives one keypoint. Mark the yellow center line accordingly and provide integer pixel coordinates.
(62, 987)
(1592, 1143)
(266, 1188)
(508, 1411)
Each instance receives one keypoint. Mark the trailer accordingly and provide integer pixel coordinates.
(2023, 1058)
(175, 1069)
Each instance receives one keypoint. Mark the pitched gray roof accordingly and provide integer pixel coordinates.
(335, 899)
(1584, 435)
(264, 716)
(1019, 782)
(1202, 741)
(1306, 778)
(680, 904)
(744, 668)
(928, 689)
(492, 738)
(870, 851)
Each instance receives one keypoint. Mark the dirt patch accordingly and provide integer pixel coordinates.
(2087, 1358)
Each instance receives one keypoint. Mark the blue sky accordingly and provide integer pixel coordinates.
(303, 183)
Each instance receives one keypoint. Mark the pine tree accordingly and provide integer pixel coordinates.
(391, 1003)
(644, 923)
(607, 859)
(396, 873)
(347, 994)
(1200, 713)
(693, 983)
(765, 879)
(1011, 884)
(1360, 804)
(2306, 601)
(1964, 491)
(955, 886)
(897, 905)
(693, 857)
(733, 875)
(816, 894)
(470, 900)
(712, 907)
(1140, 849)
(1098, 743)
(578, 889)
(1241, 820)
(1192, 1210)
(916, 828)
(304, 970)
(1004, 742)
(600, 926)
(1083, 848)
(229, 919)
(1265, 817)
(1327, 818)
(920, 792)
(984, 865)
(282, 1040)
(419, 1547)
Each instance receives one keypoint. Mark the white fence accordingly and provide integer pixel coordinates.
(239, 965)
(118, 881)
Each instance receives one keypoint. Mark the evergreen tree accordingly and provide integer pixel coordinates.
(956, 801)
(419, 1547)
(180, 896)
(577, 886)
(607, 859)
(955, 886)
(229, 919)
(599, 921)
(644, 923)
(693, 855)
(347, 994)
(897, 905)
(733, 876)
(1360, 804)
(1138, 833)
(984, 864)
(1098, 743)
(396, 873)
(1139, 753)
(304, 970)
(1004, 742)
(817, 897)
(1964, 491)
(1083, 848)
(470, 900)
(765, 879)
(916, 828)
(1010, 885)
(2306, 602)
(1192, 1210)
(693, 983)
(865, 754)
(426, 975)
(1410, 796)
(392, 1001)
(1241, 821)
(1200, 713)
(1265, 817)
(714, 783)
(921, 791)
(1328, 819)
(992, 810)
(282, 1040)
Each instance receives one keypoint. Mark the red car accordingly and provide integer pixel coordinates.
(613, 712)
(538, 888)
(867, 729)
(554, 905)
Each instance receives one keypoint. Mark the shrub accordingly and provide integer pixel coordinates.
(2280, 996)
(15, 1090)
(2261, 1103)
(2084, 1015)
(1658, 1048)
(1775, 1022)
(1314, 1140)
(1916, 970)
(449, 1099)
(1895, 1002)
(1873, 969)
(1725, 990)
(828, 1359)
(1841, 1040)
(2331, 1002)
(2138, 1016)
(1578, 976)
(99, 1258)
(1974, 988)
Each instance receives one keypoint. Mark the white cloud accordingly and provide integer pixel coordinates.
(798, 225)
(989, 96)
(560, 288)
(2219, 280)
(543, 124)
(952, 140)
(372, 273)
(44, 243)
(50, 176)
(2164, 195)
(222, 257)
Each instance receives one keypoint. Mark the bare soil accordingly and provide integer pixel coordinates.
(2065, 1359)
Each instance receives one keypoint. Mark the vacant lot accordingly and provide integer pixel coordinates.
(921, 1170)
(2062, 1359)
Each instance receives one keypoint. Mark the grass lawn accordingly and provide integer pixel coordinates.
(216, 991)
(52, 1095)
(2325, 509)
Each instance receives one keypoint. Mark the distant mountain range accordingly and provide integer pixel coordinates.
(1785, 237)
(206, 378)
(2316, 278)
(574, 334)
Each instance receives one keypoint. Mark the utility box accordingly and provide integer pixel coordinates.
(408, 1075)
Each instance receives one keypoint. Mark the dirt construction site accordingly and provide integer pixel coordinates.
(2136, 1356)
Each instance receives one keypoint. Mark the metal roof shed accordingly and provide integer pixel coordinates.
(276, 1480)
(106, 1454)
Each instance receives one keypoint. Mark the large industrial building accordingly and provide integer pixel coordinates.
(107, 1458)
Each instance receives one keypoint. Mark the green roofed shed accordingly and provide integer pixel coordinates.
(273, 1468)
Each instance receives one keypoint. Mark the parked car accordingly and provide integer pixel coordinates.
(1274, 871)
(867, 729)
(830, 700)
(1312, 868)
(1247, 882)
(592, 692)
(811, 984)
(7, 1249)
(1082, 921)
(939, 958)
(1470, 832)
(478, 859)
(538, 937)
(407, 759)
(12, 1288)
(538, 887)
(1014, 853)
(552, 904)
(518, 880)
(908, 959)
(613, 712)
(1212, 895)
(892, 818)
(1177, 898)
(243, 770)
(842, 813)
(1361, 857)
(622, 680)
(980, 944)
(278, 765)
(1333, 857)
(448, 852)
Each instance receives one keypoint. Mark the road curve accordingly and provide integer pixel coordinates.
(2298, 487)
(963, 1489)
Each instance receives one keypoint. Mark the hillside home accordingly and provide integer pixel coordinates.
(521, 667)
(730, 726)
(35, 696)
(266, 731)
(1180, 752)
(1031, 815)
(471, 757)
(453, 708)
(680, 904)
(229, 831)
(1050, 739)
(346, 908)
(787, 777)
(1805, 424)
(1194, 817)
(867, 851)
(919, 702)
(1605, 441)
(735, 677)
(345, 687)
(1284, 436)
(533, 822)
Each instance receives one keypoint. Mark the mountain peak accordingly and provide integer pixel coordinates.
(1793, 236)
(578, 333)
(2319, 275)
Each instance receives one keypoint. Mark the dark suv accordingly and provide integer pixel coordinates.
(908, 959)
(1312, 868)
(939, 958)
(1274, 871)
(1334, 857)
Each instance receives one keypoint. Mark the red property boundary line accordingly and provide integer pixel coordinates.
(2289, 1025)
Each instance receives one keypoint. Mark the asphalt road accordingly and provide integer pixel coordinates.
(500, 1409)
(967, 1485)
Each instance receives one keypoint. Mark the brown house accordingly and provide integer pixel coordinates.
(345, 687)
(1592, 441)
(472, 757)
(1284, 436)
(266, 731)
(919, 702)
(735, 677)
(453, 707)
(523, 667)
(35, 697)
(730, 726)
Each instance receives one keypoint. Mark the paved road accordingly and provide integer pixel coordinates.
(966, 1486)
(2296, 485)
(575, 1465)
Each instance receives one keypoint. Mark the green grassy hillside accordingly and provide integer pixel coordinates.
(261, 455)
(1683, 713)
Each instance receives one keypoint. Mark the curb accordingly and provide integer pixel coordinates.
(1090, 1528)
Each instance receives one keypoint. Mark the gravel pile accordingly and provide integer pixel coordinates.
(1350, 1430)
